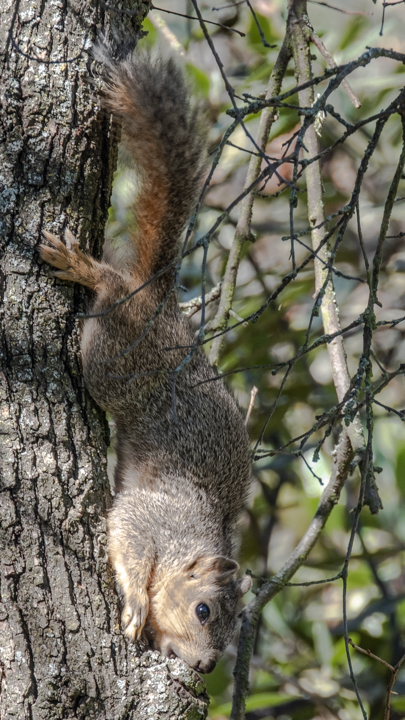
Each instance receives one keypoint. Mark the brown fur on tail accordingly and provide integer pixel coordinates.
(165, 136)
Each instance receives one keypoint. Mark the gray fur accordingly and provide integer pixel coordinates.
(180, 484)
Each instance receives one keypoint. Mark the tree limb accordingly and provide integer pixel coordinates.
(243, 231)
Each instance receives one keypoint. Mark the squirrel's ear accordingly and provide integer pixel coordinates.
(244, 585)
(225, 569)
(220, 567)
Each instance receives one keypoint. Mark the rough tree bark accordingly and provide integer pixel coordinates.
(62, 654)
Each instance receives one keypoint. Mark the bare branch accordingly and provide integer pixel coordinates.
(243, 231)
(323, 279)
(192, 17)
(370, 654)
(191, 307)
(390, 689)
(342, 459)
(346, 12)
(331, 62)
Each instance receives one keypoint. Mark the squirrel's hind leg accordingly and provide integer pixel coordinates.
(72, 263)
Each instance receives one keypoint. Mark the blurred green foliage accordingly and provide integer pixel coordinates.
(299, 668)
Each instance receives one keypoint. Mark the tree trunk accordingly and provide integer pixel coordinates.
(62, 653)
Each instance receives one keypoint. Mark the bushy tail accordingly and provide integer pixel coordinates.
(165, 135)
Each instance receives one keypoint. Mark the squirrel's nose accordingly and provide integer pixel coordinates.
(205, 667)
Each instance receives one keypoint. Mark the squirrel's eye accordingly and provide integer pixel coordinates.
(203, 612)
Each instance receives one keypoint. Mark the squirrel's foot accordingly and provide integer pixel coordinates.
(135, 614)
(71, 262)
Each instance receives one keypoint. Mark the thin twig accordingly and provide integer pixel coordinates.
(337, 74)
(230, 90)
(391, 686)
(227, 7)
(346, 12)
(370, 654)
(243, 229)
(261, 33)
(317, 700)
(191, 307)
(331, 62)
(192, 17)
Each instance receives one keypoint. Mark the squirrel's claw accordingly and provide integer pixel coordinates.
(134, 615)
(53, 239)
(70, 240)
(56, 241)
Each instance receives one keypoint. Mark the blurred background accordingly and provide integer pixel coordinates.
(299, 668)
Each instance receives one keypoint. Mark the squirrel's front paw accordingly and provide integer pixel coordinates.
(135, 614)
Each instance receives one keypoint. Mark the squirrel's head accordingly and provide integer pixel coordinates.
(193, 614)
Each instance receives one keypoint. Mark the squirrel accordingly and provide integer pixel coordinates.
(180, 482)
